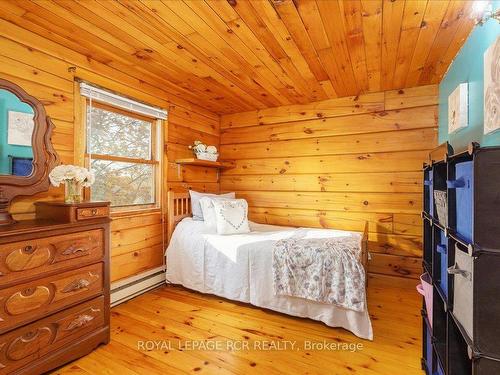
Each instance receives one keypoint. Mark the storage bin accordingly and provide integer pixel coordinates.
(484, 365)
(463, 185)
(425, 289)
(439, 370)
(442, 250)
(458, 351)
(441, 207)
(428, 350)
(428, 193)
(463, 279)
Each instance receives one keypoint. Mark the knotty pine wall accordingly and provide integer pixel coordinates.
(337, 164)
(184, 128)
(47, 70)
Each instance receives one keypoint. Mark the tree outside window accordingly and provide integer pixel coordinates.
(122, 147)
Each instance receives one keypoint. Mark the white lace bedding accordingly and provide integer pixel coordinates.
(239, 267)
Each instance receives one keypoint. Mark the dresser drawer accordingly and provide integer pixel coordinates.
(72, 213)
(92, 212)
(31, 258)
(27, 344)
(21, 303)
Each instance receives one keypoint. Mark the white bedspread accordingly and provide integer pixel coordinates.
(239, 267)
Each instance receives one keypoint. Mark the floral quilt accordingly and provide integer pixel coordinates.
(325, 270)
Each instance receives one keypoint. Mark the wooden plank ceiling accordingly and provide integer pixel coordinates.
(239, 55)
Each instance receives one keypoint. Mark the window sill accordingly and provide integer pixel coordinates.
(134, 212)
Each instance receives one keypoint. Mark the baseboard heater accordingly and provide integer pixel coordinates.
(123, 290)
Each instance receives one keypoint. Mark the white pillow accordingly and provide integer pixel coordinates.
(231, 216)
(208, 209)
(195, 202)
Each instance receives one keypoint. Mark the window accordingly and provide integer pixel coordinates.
(123, 149)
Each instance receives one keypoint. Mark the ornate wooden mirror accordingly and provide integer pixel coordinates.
(26, 152)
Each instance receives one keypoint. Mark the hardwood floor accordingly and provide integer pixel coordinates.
(177, 315)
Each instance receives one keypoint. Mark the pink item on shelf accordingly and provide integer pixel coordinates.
(425, 288)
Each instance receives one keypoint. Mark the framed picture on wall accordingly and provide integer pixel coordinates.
(20, 129)
(492, 88)
(458, 108)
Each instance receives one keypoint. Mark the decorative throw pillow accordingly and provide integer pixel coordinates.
(195, 202)
(231, 216)
(208, 209)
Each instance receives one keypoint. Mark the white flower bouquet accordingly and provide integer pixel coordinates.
(64, 173)
(73, 178)
(204, 152)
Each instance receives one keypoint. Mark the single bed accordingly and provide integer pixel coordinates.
(239, 267)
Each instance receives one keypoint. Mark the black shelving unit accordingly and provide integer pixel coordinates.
(461, 253)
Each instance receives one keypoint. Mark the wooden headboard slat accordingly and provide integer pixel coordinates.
(179, 207)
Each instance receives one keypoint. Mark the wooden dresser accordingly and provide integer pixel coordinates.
(54, 287)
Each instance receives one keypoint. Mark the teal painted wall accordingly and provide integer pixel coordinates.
(10, 102)
(468, 67)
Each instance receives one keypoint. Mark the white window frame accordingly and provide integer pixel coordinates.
(125, 106)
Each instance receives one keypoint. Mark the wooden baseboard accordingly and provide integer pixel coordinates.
(123, 290)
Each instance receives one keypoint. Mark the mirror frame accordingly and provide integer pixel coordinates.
(45, 157)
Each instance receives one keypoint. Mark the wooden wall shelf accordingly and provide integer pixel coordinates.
(204, 163)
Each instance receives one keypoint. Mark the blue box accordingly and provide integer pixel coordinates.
(464, 187)
(22, 166)
(429, 192)
(429, 353)
(439, 370)
(442, 250)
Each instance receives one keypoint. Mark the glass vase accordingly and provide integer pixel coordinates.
(72, 191)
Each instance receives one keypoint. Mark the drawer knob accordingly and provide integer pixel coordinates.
(94, 211)
(73, 249)
(29, 335)
(28, 291)
(29, 249)
(76, 285)
(79, 322)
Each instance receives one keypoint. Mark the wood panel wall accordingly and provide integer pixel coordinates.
(337, 164)
(184, 128)
(47, 70)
